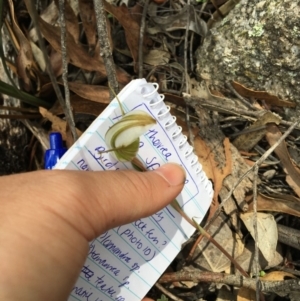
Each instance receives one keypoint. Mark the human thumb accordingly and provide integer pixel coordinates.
(107, 199)
(47, 218)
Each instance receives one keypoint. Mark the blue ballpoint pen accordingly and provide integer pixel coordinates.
(56, 150)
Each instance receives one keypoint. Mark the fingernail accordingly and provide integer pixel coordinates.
(173, 173)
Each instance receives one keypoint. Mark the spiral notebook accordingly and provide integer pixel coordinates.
(125, 262)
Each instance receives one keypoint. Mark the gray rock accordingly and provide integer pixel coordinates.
(258, 45)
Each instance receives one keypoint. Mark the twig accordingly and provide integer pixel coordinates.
(186, 76)
(20, 116)
(63, 36)
(256, 251)
(141, 41)
(242, 99)
(105, 49)
(38, 132)
(166, 292)
(34, 15)
(213, 241)
(235, 280)
(228, 109)
(217, 8)
(219, 107)
(257, 163)
(27, 110)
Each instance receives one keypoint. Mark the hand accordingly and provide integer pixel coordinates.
(47, 219)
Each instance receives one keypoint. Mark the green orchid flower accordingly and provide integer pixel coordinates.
(123, 138)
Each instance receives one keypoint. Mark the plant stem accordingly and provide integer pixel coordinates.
(208, 236)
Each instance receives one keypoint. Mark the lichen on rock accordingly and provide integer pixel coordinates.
(258, 45)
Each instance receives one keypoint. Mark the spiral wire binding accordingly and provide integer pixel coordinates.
(157, 102)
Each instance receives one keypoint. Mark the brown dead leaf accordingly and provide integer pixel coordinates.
(80, 106)
(293, 185)
(262, 95)
(247, 141)
(58, 125)
(91, 92)
(71, 21)
(131, 27)
(24, 61)
(56, 62)
(246, 294)
(211, 168)
(280, 203)
(88, 19)
(277, 276)
(208, 257)
(175, 99)
(77, 54)
(273, 135)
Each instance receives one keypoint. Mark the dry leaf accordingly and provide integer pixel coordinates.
(49, 15)
(24, 61)
(246, 142)
(56, 62)
(211, 168)
(91, 92)
(131, 28)
(224, 9)
(262, 95)
(246, 294)
(293, 185)
(80, 106)
(280, 203)
(246, 259)
(175, 99)
(77, 55)
(88, 19)
(157, 57)
(277, 276)
(178, 21)
(267, 232)
(210, 257)
(38, 56)
(71, 21)
(224, 293)
(58, 125)
(273, 135)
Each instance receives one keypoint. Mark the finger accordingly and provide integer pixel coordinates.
(92, 202)
(103, 200)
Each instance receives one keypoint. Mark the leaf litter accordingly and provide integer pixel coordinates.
(225, 153)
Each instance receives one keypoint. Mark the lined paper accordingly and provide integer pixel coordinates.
(125, 262)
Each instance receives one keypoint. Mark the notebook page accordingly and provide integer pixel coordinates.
(125, 262)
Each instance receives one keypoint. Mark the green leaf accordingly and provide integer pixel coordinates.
(163, 298)
(23, 96)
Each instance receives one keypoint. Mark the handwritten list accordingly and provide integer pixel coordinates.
(124, 263)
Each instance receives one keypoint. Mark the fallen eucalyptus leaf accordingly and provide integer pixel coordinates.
(278, 203)
(247, 141)
(267, 232)
(262, 95)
